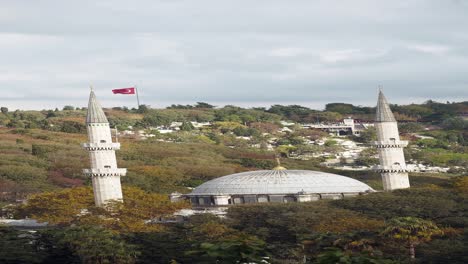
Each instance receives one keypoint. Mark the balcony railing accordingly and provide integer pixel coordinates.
(105, 172)
(97, 146)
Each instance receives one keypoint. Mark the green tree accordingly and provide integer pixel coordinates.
(95, 245)
(68, 108)
(341, 108)
(186, 126)
(411, 230)
(367, 136)
(19, 247)
(203, 105)
(456, 123)
(238, 249)
(410, 127)
(336, 256)
(158, 118)
(143, 109)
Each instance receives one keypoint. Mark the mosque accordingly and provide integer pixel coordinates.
(278, 185)
(284, 186)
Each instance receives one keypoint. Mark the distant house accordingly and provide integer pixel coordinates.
(348, 126)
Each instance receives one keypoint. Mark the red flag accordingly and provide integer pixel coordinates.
(130, 90)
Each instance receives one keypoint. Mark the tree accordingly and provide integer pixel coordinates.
(157, 119)
(68, 108)
(4, 110)
(336, 256)
(94, 244)
(19, 247)
(461, 184)
(411, 230)
(203, 105)
(240, 248)
(186, 126)
(367, 136)
(456, 123)
(285, 150)
(410, 127)
(341, 108)
(76, 206)
(143, 109)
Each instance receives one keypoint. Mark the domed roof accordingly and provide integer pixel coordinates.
(280, 182)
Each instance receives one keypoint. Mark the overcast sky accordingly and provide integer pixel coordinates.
(247, 53)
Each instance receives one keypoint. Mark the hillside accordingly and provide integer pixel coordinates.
(178, 148)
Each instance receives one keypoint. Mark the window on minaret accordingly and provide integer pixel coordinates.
(107, 167)
(103, 141)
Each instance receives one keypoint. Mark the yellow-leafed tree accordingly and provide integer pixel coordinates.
(76, 206)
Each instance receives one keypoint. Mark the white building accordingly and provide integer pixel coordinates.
(347, 127)
(104, 172)
(392, 160)
(277, 185)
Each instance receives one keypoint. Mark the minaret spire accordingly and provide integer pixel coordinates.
(392, 160)
(104, 172)
(384, 113)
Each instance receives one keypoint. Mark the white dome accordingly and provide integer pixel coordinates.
(280, 182)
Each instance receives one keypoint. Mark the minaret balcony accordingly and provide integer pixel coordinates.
(105, 172)
(101, 146)
(391, 168)
(391, 144)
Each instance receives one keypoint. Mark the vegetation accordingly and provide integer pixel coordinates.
(76, 207)
(412, 231)
(40, 177)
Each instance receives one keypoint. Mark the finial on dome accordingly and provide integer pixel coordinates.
(91, 88)
(278, 165)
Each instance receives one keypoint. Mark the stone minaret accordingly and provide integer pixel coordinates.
(104, 172)
(392, 161)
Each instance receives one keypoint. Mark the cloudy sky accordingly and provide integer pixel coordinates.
(246, 53)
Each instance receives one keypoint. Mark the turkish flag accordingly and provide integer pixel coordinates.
(130, 90)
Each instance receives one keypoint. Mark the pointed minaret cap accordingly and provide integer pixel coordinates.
(95, 112)
(383, 114)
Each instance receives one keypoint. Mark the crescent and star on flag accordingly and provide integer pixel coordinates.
(128, 90)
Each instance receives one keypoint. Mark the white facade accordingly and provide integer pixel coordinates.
(390, 148)
(104, 171)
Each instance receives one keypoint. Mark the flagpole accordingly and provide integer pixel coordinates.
(138, 98)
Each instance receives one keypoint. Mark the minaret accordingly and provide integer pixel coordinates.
(104, 172)
(392, 161)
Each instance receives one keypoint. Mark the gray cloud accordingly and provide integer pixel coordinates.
(232, 52)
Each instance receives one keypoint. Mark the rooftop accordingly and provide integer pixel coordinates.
(280, 182)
